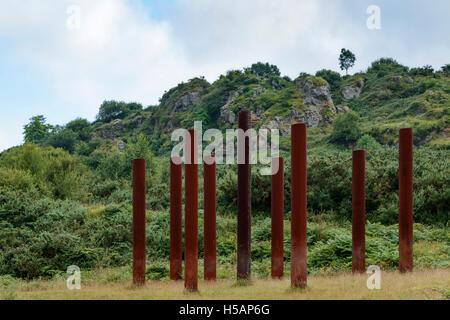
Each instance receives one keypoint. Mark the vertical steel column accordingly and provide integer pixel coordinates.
(277, 203)
(359, 211)
(191, 212)
(405, 223)
(298, 206)
(244, 203)
(175, 218)
(139, 258)
(209, 168)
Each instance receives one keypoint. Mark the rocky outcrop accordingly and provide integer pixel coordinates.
(186, 101)
(350, 92)
(342, 109)
(120, 144)
(319, 108)
(226, 115)
(318, 102)
(112, 130)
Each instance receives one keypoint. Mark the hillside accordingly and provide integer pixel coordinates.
(65, 194)
(387, 96)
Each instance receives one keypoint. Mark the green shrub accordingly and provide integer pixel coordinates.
(346, 128)
(367, 142)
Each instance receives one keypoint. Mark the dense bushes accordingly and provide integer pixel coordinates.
(40, 237)
(54, 172)
(110, 110)
(330, 179)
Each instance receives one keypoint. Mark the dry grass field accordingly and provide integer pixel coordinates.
(422, 284)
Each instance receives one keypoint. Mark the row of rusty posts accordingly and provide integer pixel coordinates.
(298, 211)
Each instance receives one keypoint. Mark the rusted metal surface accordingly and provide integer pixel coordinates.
(298, 206)
(191, 212)
(175, 218)
(359, 212)
(277, 203)
(405, 223)
(139, 258)
(210, 218)
(244, 204)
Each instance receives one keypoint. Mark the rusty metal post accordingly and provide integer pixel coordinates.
(359, 211)
(191, 212)
(209, 168)
(405, 223)
(139, 257)
(244, 203)
(277, 202)
(298, 206)
(175, 218)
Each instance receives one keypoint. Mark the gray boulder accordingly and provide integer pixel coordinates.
(186, 101)
(342, 109)
(317, 100)
(350, 92)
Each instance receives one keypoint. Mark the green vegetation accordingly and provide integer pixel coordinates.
(346, 128)
(263, 70)
(346, 60)
(65, 195)
(37, 129)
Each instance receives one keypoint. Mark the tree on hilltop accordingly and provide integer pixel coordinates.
(346, 60)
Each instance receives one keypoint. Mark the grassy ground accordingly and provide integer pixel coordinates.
(422, 284)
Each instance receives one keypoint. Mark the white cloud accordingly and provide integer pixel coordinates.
(121, 53)
(118, 52)
(295, 35)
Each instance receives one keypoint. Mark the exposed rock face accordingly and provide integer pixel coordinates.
(186, 101)
(258, 91)
(317, 100)
(226, 114)
(112, 131)
(280, 123)
(121, 145)
(342, 109)
(350, 92)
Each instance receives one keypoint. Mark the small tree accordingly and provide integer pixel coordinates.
(37, 129)
(346, 60)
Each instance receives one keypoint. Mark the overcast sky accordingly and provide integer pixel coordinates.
(135, 50)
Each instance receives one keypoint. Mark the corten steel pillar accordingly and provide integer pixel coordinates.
(277, 203)
(298, 205)
(139, 221)
(405, 223)
(209, 168)
(359, 212)
(191, 212)
(244, 203)
(175, 218)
